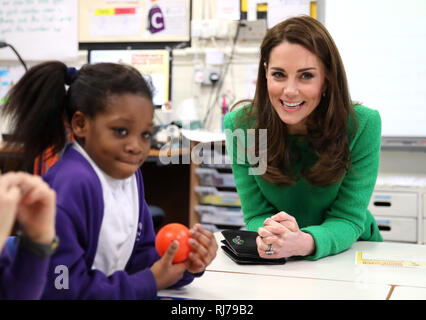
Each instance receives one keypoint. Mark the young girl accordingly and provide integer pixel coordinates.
(107, 237)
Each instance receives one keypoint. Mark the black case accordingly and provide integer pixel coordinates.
(241, 247)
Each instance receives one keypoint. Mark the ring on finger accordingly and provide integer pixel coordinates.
(269, 251)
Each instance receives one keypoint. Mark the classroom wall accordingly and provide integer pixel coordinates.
(187, 61)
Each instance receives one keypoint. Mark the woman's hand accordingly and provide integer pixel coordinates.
(204, 249)
(282, 238)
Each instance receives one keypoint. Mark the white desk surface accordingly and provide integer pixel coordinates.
(340, 267)
(408, 293)
(236, 286)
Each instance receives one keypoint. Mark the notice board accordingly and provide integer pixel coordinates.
(39, 29)
(109, 21)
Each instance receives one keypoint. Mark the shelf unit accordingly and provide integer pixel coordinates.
(214, 201)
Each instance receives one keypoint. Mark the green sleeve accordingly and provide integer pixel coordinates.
(346, 219)
(254, 205)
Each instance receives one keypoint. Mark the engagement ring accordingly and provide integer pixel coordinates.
(269, 252)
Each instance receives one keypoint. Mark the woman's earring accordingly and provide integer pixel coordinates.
(323, 94)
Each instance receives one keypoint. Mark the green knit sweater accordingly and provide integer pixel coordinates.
(336, 216)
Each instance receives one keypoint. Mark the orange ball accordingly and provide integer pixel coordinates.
(170, 232)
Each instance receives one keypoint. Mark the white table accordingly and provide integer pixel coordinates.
(335, 277)
(241, 286)
(340, 267)
(408, 293)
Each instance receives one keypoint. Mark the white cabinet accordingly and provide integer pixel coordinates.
(397, 229)
(424, 230)
(394, 204)
(397, 214)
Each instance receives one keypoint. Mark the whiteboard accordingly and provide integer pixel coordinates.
(107, 21)
(383, 48)
(39, 29)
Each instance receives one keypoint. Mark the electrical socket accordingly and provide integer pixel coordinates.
(205, 75)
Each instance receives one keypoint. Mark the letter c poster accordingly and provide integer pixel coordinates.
(166, 17)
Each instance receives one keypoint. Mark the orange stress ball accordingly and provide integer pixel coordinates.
(170, 232)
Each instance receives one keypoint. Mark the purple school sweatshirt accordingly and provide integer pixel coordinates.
(78, 221)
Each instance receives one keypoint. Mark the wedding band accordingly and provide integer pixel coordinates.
(269, 252)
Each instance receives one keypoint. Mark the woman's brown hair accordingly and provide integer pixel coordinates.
(327, 124)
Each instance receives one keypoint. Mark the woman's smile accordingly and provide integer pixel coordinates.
(292, 106)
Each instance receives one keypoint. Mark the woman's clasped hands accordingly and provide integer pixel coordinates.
(280, 237)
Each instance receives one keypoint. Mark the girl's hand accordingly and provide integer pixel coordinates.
(281, 236)
(204, 249)
(37, 208)
(165, 272)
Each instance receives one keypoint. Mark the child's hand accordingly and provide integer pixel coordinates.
(165, 272)
(37, 208)
(9, 199)
(204, 249)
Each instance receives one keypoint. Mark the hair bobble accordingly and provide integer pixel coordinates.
(71, 75)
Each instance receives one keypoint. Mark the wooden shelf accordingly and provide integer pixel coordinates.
(11, 159)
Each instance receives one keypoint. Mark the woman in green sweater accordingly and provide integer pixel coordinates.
(320, 156)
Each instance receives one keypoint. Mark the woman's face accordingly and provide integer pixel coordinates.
(295, 81)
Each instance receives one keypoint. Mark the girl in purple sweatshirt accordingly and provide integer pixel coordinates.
(107, 237)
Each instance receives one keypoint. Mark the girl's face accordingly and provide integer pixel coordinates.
(119, 139)
(295, 81)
